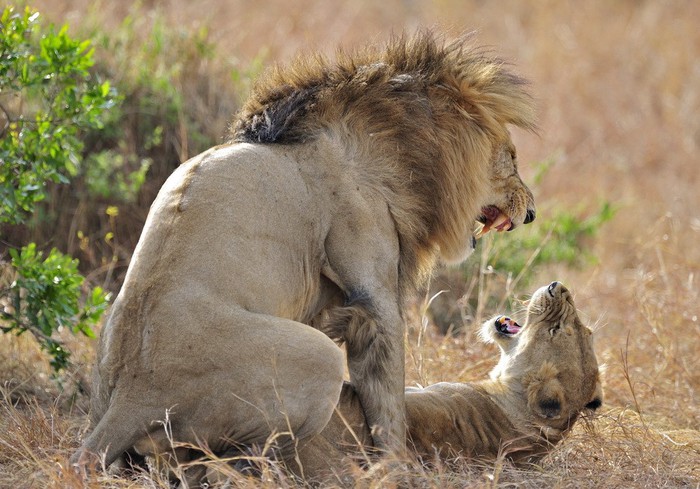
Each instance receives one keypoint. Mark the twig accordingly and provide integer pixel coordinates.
(628, 379)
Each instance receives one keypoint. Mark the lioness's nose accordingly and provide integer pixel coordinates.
(530, 216)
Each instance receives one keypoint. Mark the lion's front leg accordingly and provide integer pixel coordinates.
(363, 254)
(374, 341)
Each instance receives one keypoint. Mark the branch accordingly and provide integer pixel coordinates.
(8, 119)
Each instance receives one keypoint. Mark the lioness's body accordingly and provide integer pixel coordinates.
(341, 189)
(445, 420)
(451, 419)
(547, 375)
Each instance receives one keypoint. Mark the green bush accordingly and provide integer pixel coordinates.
(44, 298)
(176, 100)
(558, 239)
(48, 98)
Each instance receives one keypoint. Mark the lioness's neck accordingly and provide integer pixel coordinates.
(508, 395)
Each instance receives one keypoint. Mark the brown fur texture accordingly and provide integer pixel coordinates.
(344, 182)
(547, 376)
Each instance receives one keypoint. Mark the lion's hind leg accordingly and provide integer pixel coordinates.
(286, 377)
(118, 431)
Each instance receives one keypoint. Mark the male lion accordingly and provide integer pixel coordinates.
(547, 375)
(342, 186)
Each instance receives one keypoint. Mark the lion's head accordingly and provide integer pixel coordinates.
(550, 359)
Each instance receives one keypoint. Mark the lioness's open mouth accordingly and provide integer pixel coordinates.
(492, 218)
(506, 326)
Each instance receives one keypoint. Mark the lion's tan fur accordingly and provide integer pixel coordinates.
(344, 182)
(548, 375)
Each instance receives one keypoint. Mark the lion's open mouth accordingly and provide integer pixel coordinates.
(506, 326)
(492, 218)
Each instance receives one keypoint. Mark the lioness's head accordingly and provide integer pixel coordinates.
(550, 359)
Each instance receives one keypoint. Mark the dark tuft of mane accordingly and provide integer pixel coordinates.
(273, 124)
(293, 103)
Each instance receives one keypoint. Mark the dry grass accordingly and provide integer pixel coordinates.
(619, 91)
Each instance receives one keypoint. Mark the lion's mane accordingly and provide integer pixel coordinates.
(390, 107)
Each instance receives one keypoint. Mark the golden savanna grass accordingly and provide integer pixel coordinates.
(618, 91)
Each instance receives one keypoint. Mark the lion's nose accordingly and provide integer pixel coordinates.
(530, 216)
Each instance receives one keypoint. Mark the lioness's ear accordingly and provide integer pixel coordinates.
(597, 399)
(594, 404)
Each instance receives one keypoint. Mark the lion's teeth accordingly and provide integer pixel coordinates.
(501, 219)
(481, 229)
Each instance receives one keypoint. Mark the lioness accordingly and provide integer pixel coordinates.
(547, 375)
(342, 185)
